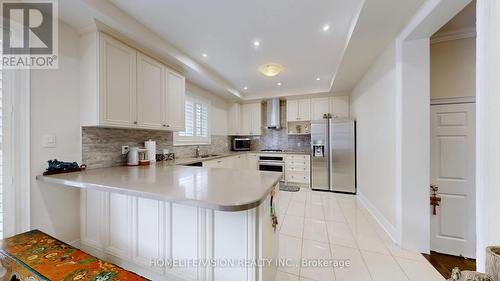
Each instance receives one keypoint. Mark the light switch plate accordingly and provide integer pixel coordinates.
(49, 141)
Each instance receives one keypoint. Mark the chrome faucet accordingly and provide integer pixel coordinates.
(198, 151)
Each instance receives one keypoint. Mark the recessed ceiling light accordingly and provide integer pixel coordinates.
(271, 69)
(279, 83)
(245, 88)
(256, 43)
(204, 55)
(318, 79)
(326, 27)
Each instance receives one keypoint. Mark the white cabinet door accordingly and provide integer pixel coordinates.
(117, 83)
(92, 208)
(118, 224)
(234, 119)
(339, 106)
(319, 107)
(150, 93)
(148, 225)
(246, 119)
(292, 110)
(304, 110)
(175, 98)
(256, 119)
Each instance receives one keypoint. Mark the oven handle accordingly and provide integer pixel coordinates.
(271, 163)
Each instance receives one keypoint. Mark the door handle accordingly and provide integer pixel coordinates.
(435, 198)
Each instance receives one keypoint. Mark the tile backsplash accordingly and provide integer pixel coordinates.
(280, 139)
(101, 147)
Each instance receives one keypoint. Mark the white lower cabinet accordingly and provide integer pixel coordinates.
(298, 169)
(165, 241)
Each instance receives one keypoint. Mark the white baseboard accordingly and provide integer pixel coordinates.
(379, 218)
(75, 243)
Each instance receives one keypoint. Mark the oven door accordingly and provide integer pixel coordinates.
(273, 166)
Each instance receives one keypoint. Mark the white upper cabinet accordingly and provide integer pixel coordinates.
(150, 93)
(298, 110)
(234, 119)
(256, 119)
(245, 120)
(175, 97)
(339, 106)
(336, 106)
(123, 87)
(117, 83)
(319, 107)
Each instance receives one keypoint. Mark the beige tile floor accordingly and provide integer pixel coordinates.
(328, 226)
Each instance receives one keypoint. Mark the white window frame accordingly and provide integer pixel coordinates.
(181, 140)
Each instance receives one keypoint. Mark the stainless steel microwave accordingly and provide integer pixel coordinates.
(241, 144)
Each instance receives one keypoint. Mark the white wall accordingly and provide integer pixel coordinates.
(219, 109)
(488, 128)
(373, 106)
(453, 72)
(54, 110)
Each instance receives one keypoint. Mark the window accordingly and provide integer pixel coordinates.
(197, 122)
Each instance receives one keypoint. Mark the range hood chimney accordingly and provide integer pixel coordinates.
(273, 114)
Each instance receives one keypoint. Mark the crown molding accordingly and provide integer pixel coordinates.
(453, 35)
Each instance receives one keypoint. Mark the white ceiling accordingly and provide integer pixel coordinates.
(463, 21)
(289, 31)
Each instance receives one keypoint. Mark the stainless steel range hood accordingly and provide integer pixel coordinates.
(273, 114)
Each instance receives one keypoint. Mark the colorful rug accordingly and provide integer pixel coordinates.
(51, 259)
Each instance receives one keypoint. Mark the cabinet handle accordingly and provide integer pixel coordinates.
(164, 125)
(168, 125)
(135, 122)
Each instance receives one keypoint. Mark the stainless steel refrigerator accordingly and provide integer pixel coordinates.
(333, 159)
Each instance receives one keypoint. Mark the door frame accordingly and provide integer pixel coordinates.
(16, 165)
(412, 122)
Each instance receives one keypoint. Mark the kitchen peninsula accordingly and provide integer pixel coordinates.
(165, 221)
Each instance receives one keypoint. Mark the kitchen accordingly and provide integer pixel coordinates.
(195, 150)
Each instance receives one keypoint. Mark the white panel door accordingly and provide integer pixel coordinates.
(182, 241)
(339, 106)
(119, 225)
(117, 83)
(292, 110)
(148, 231)
(150, 92)
(305, 110)
(319, 107)
(453, 170)
(175, 99)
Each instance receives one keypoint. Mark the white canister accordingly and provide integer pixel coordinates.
(151, 147)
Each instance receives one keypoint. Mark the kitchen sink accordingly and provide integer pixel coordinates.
(208, 155)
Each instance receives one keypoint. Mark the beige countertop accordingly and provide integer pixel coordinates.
(214, 188)
(187, 161)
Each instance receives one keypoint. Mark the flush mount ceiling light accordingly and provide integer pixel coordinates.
(271, 69)
(245, 88)
(318, 79)
(256, 43)
(326, 27)
(279, 83)
(204, 55)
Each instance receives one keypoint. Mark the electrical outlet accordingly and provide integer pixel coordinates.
(125, 149)
(49, 141)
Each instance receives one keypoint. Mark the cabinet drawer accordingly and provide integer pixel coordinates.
(303, 169)
(297, 157)
(298, 177)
